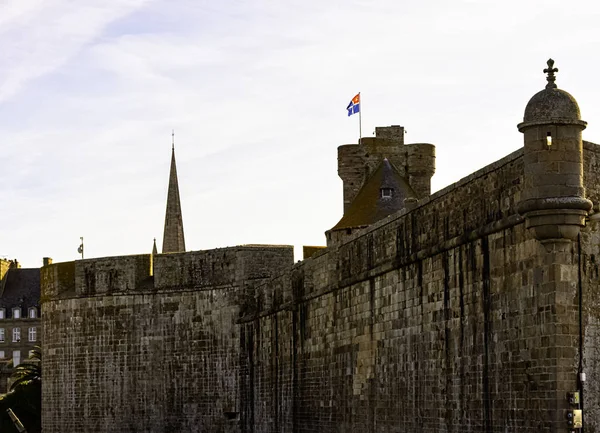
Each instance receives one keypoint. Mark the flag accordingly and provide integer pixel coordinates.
(80, 249)
(354, 105)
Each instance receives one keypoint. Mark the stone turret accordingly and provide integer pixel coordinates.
(357, 162)
(420, 167)
(553, 200)
(379, 175)
(173, 239)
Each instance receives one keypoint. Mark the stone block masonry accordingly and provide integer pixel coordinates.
(449, 317)
(475, 309)
(126, 351)
(446, 317)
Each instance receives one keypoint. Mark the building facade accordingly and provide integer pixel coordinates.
(20, 322)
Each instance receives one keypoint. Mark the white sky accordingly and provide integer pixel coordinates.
(256, 91)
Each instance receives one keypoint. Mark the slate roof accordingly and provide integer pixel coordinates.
(20, 288)
(369, 207)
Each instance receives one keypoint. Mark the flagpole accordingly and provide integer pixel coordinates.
(359, 119)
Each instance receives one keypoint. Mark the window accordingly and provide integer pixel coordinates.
(16, 313)
(549, 139)
(32, 333)
(1, 354)
(32, 313)
(16, 335)
(1, 335)
(386, 192)
(16, 357)
(2, 313)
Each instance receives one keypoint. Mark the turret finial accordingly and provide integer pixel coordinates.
(550, 70)
(173, 137)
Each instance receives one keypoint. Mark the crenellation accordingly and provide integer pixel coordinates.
(394, 133)
(351, 171)
(420, 166)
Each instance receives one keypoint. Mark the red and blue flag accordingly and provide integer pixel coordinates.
(354, 105)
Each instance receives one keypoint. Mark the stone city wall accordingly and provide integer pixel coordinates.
(447, 317)
(450, 317)
(128, 352)
(590, 299)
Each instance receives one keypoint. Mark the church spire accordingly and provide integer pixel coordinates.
(173, 241)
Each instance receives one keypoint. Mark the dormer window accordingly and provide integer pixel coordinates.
(386, 192)
(16, 313)
(32, 313)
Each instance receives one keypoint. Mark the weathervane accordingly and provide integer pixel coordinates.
(550, 70)
(172, 139)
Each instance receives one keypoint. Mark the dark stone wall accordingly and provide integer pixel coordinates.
(451, 317)
(128, 352)
(448, 317)
(590, 301)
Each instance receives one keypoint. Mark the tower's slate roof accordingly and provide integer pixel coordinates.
(173, 240)
(369, 206)
(20, 288)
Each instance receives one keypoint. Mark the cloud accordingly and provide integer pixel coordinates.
(256, 92)
(38, 37)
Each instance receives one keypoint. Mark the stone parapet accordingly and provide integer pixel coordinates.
(91, 277)
(222, 267)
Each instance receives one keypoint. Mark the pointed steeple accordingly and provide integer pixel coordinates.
(154, 249)
(173, 241)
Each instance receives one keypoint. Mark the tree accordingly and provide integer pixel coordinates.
(29, 371)
(25, 395)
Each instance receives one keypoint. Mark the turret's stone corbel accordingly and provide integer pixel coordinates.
(555, 219)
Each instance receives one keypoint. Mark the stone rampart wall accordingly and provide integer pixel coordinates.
(125, 352)
(450, 317)
(590, 301)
